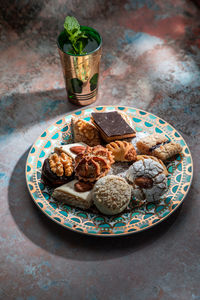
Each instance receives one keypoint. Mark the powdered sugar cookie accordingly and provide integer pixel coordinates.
(148, 179)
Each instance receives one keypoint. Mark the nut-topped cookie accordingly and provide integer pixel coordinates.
(57, 169)
(69, 194)
(148, 179)
(72, 149)
(85, 132)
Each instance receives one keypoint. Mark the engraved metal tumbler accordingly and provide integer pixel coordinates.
(81, 72)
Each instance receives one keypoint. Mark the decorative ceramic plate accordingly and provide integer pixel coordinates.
(139, 217)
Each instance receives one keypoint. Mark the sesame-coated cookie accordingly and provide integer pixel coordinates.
(111, 194)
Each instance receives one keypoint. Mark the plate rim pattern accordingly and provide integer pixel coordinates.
(81, 112)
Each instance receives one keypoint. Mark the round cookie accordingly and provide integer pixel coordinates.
(111, 194)
(50, 178)
(148, 179)
(143, 156)
(57, 169)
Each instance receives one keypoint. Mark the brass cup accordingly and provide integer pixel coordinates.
(81, 72)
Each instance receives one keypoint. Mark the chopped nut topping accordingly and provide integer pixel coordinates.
(85, 132)
(61, 164)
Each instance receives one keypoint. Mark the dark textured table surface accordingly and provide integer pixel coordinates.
(151, 57)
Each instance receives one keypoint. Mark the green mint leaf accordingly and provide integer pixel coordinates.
(75, 35)
(81, 43)
(71, 24)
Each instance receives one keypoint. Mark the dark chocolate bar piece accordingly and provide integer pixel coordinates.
(112, 123)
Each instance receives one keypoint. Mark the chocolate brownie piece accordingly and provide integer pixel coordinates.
(112, 126)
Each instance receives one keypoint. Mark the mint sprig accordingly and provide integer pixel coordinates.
(75, 35)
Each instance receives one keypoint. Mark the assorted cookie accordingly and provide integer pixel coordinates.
(68, 194)
(108, 164)
(85, 132)
(57, 169)
(158, 145)
(93, 163)
(111, 194)
(122, 151)
(148, 179)
(142, 157)
(72, 149)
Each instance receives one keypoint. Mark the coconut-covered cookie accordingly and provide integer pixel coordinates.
(148, 179)
(111, 194)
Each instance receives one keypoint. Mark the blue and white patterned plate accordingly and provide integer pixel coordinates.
(140, 217)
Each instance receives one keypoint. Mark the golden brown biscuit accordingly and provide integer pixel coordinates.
(158, 145)
(93, 164)
(85, 132)
(122, 151)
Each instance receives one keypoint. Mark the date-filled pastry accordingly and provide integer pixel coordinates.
(122, 151)
(158, 145)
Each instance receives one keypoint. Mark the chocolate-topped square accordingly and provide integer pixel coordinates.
(112, 124)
